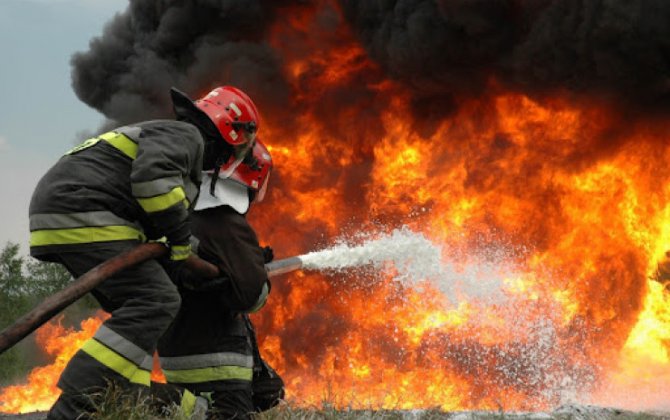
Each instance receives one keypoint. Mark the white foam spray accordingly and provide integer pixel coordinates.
(478, 277)
(414, 258)
(412, 254)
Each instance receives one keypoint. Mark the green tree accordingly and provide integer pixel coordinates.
(11, 267)
(24, 283)
(44, 279)
(13, 302)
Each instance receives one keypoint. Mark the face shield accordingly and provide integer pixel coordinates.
(241, 151)
(261, 192)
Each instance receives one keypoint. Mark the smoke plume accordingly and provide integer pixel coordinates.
(190, 44)
(615, 49)
(612, 49)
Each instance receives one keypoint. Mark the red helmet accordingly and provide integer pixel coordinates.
(254, 173)
(232, 112)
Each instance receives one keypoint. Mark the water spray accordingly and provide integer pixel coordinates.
(412, 255)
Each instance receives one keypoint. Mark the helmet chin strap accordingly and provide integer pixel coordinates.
(215, 175)
(225, 174)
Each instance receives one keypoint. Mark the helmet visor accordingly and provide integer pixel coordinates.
(261, 192)
(243, 150)
(240, 152)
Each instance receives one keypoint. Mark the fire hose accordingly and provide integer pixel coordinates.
(55, 303)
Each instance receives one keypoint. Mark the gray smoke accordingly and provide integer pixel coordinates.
(615, 49)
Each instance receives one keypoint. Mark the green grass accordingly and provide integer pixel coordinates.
(287, 411)
(114, 404)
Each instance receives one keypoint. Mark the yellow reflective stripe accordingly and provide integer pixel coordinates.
(121, 142)
(163, 201)
(84, 235)
(116, 362)
(180, 252)
(187, 403)
(215, 373)
(85, 145)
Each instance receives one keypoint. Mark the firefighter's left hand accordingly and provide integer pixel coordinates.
(268, 254)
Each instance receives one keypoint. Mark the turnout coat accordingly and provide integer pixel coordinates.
(130, 184)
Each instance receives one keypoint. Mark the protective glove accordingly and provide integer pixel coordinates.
(179, 252)
(268, 254)
(176, 251)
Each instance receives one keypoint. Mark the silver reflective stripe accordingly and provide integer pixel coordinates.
(131, 132)
(260, 302)
(197, 361)
(124, 347)
(195, 243)
(156, 187)
(75, 220)
(235, 108)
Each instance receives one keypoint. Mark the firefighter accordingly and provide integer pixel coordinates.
(112, 192)
(211, 348)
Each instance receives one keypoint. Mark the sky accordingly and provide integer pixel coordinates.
(40, 116)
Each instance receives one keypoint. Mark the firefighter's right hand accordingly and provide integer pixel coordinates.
(179, 252)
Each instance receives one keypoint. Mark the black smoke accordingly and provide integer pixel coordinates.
(617, 50)
(613, 49)
(190, 44)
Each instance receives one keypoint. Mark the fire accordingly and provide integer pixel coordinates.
(562, 199)
(39, 391)
(552, 212)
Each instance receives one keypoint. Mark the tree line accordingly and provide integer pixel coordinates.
(24, 282)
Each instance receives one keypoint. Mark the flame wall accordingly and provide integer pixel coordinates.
(457, 121)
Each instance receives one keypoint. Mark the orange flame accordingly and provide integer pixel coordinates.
(552, 213)
(39, 391)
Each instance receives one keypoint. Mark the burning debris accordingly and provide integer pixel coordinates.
(527, 127)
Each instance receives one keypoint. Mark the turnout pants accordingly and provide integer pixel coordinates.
(142, 301)
(210, 351)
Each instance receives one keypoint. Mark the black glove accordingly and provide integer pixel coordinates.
(268, 254)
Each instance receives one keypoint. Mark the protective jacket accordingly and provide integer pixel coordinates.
(97, 201)
(210, 346)
(225, 238)
(131, 183)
